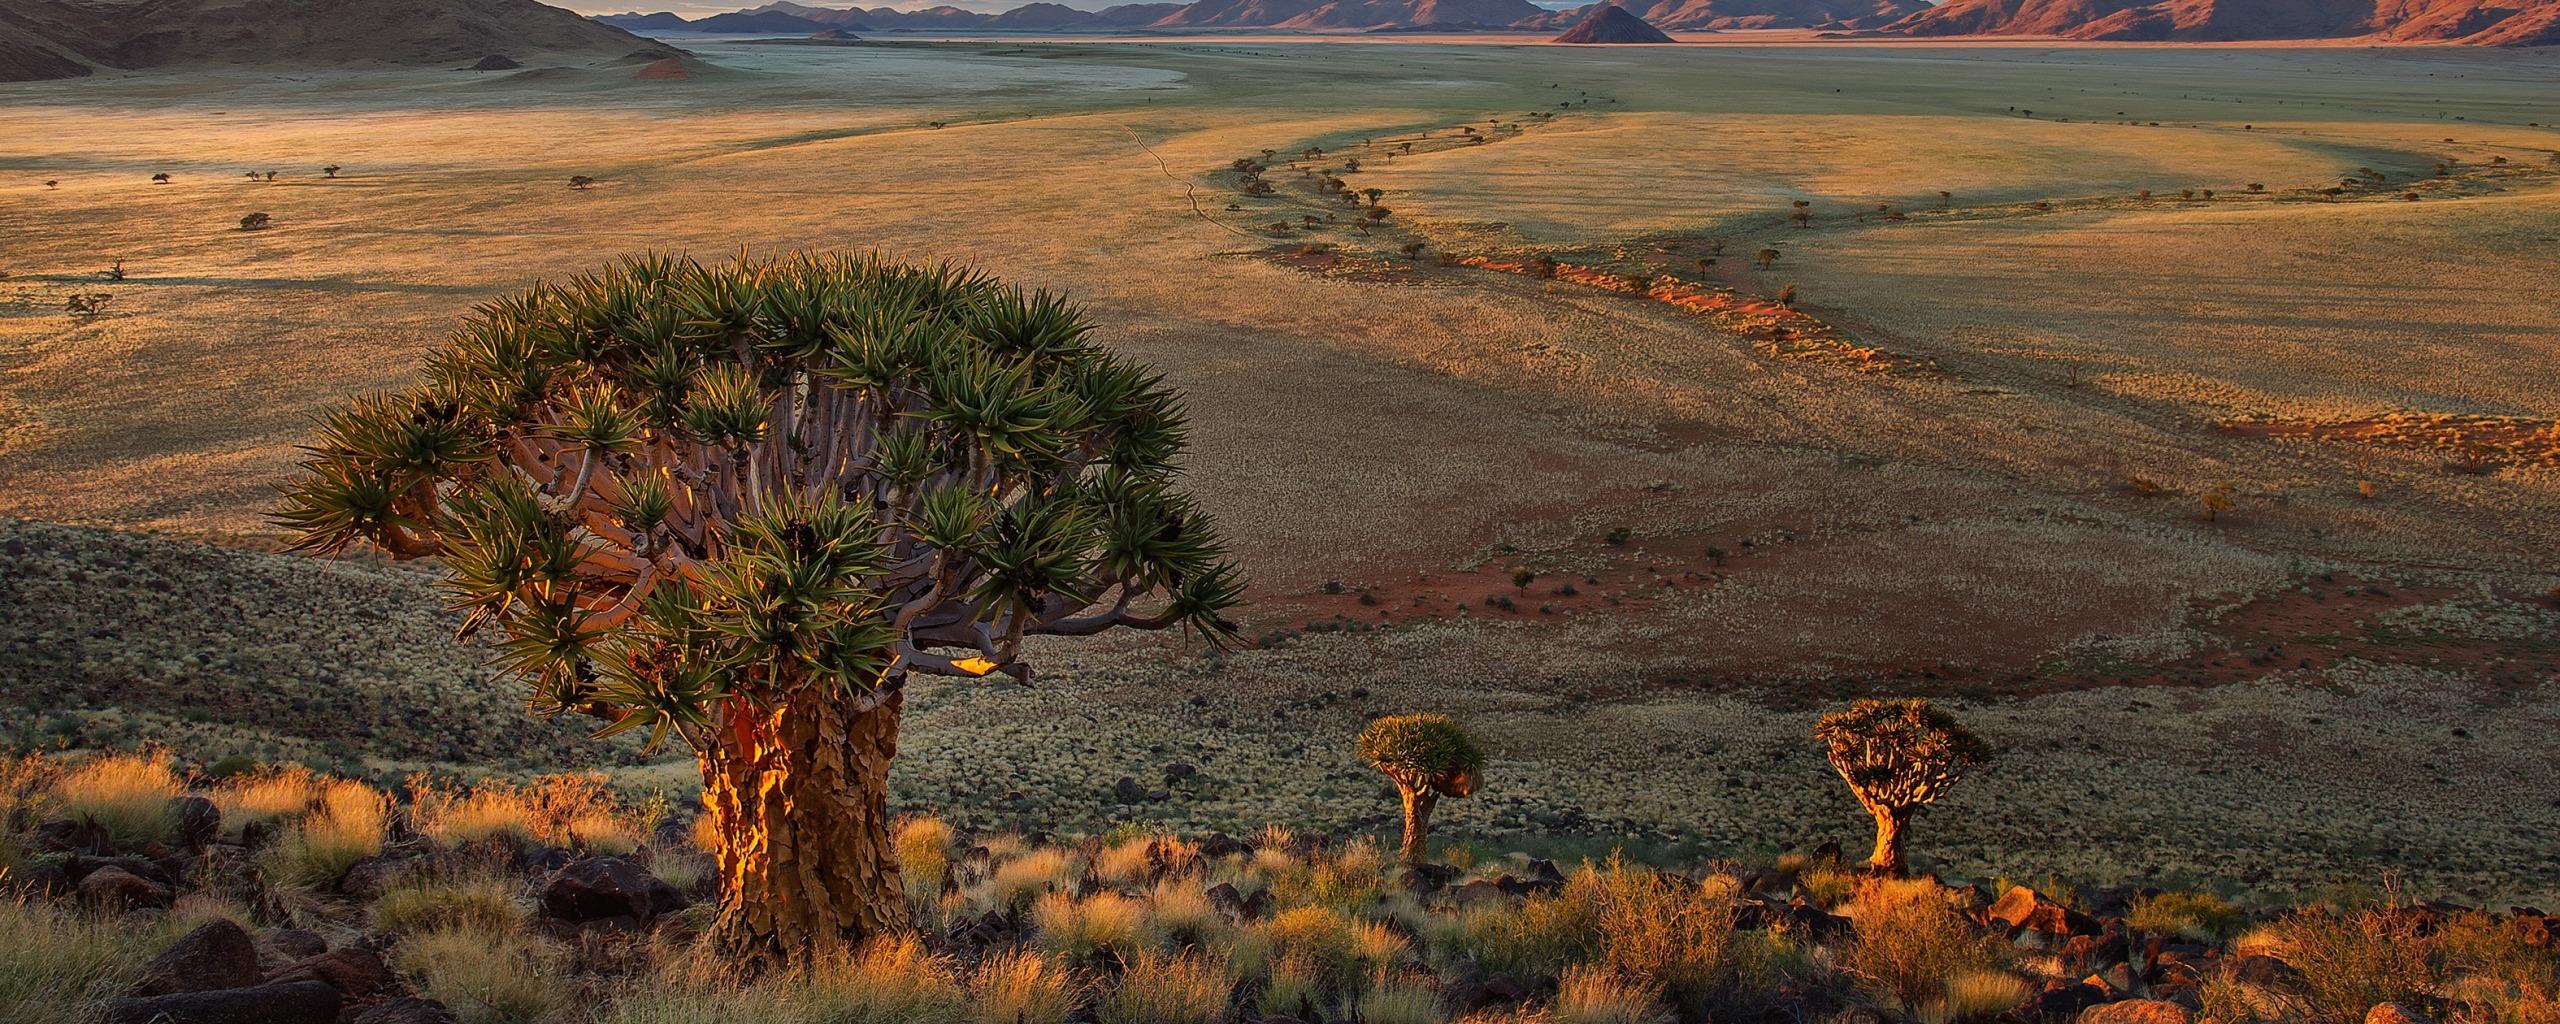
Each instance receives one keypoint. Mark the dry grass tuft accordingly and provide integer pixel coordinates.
(270, 793)
(1591, 994)
(1167, 990)
(1910, 941)
(56, 963)
(345, 826)
(1085, 930)
(574, 811)
(486, 976)
(1023, 987)
(481, 901)
(129, 794)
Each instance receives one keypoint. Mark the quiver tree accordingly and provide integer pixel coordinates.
(1897, 756)
(741, 505)
(1429, 757)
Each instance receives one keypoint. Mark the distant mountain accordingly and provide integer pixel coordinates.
(1719, 15)
(1374, 15)
(2473, 22)
(761, 22)
(1610, 23)
(72, 38)
(638, 22)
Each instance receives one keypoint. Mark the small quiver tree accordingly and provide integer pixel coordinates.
(1897, 756)
(741, 505)
(1429, 757)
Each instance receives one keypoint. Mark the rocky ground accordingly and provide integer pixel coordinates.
(2412, 745)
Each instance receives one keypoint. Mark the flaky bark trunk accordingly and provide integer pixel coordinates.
(800, 795)
(1890, 823)
(1418, 802)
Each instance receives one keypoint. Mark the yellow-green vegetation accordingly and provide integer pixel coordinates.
(481, 900)
(1163, 989)
(1912, 947)
(488, 976)
(128, 795)
(1025, 987)
(55, 963)
(343, 825)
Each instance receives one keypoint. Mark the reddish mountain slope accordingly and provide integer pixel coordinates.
(1612, 24)
(68, 38)
(1717, 15)
(2478, 22)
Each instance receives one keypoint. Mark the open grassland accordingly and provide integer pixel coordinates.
(2026, 515)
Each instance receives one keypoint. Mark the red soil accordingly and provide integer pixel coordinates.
(1776, 330)
(664, 68)
(2476, 442)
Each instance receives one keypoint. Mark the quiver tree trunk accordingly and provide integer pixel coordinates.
(1891, 822)
(1418, 802)
(800, 797)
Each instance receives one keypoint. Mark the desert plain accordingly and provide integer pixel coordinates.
(2180, 417)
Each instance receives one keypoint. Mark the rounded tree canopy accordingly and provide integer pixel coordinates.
(673, 484)
(1425, 750)
(1899, 752)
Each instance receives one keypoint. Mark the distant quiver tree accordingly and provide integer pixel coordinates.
(743, 504)
(1428, 757)
(1898, 756)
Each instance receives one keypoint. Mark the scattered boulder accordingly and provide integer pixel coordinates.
(354, 971)
(2024, 909)
(2393, 1013)
(1544, 875)
(367, 880)
(407, 1010)
(199, 821)
(219, 954)
(2058, 1000)
(1127, 791)
(297, 943)
(1234, 905)
(2138, 1011)
(298, 1002)
(66, 836)
(118, 889)
(2260, 969)
(1425, 879)
(602, 887)
(1176, 772)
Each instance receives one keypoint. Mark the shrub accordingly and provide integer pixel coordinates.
(345, 827)
(1321, 938)
(1910, 941)
(1021, 987)
(924, 859)
(256, 222)
(1590, 994)
(475, 901)
(486, 976)
(1179, 914)
(575, 811)
(1665, 936)
(1167, 990)
(1018, 881)
(1085, 930)
(891, 981)
(2194, 915)
(56, 963)
(1296, 988)
(1533, 940)
(128, 794)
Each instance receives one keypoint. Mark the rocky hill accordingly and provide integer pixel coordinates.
(1721, 15)
(1611, 23)
(2471, 22)
(42, 39)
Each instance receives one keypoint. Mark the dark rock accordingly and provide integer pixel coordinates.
(81, 866)
(1227, 901)
(2393, 1013)
(496, 62)
(601, 887)
(2114, 900)
(118, 889)
(1801, 918)
(1829, 850)
(1543, 873)
(1221, 845)
(1769, 881)
(1126, 791)
(1159, 794)
(1176, 772)
(298, 1002)
(368, 879)
(297, 943)
(218, 954)
(1505, 988)
(199, 821)
(2086, 953)
(354, 971)
(1425, 879)
(86, 837)
(42, 877)
(2057, 1001)
(1482, 890)
(2024, 909)
(407, 1011)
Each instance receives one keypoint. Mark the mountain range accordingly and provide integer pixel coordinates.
(41, 39)
(2474, 22)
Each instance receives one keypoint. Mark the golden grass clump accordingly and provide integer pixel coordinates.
(1349, 881)
(2352, 961)
(574, 811)
(1397, 1000)
(486, 976)
(1325, 940)
(1592, 994)
(129, 794)
(270, 793)
(924, 859)
(1296, 987)
(1023, 987)
(345, 826)
(1178, 913)
(1976, 995)
(1084, 930)
(476, 900)
(1910, 941)
(1018, 881)
(1665, 935)
(2202, 916)
(56, 963)
(1167, 990)
(1534, 940)
(892, 980)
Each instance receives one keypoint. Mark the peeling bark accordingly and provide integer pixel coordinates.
(800, 795)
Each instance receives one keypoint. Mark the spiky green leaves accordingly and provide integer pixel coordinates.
(1424, 750)
(1899, 753)
(676, 485)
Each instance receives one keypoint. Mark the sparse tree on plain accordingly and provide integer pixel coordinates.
(1766, 257)
(161, 178)
(256, 222)
(1521, 577)
(330, 171)
(1787, 296)
(1428, 757)
(1897, 756)
(580, 181)
(742, 505)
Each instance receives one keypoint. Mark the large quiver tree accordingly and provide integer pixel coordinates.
(1428, 757)
(742, 504)
(1897, 756)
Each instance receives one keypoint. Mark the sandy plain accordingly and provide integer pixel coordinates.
(2019, 527)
